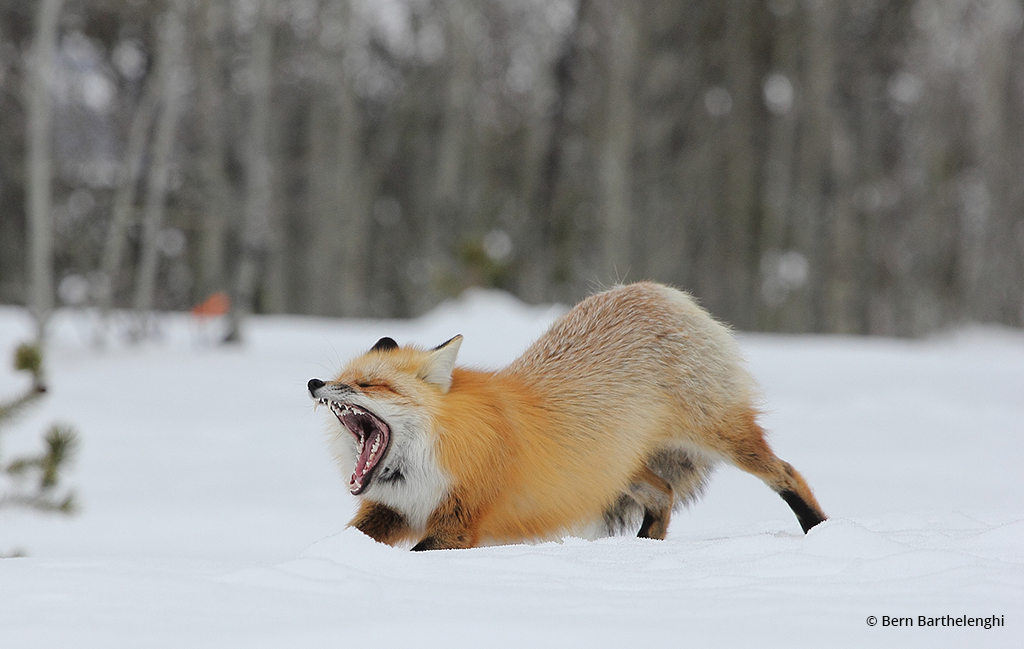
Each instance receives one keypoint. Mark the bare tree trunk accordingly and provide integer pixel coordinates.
(217, 188)
(339, 201)
(275, 275)
(353, 217)
(527, 230)
(840, 258)
(545, 265)
(258, 175)
(778, 194)
(989, 279)
(40, 171)
(615, 166)
(445, 207)
(739, 202)
(170, 74)
(454, 136)
(320, 266)
(124, 201)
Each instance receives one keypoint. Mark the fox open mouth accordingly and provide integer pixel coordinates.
(372, 438)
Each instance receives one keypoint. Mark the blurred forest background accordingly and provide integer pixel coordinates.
(850, 166)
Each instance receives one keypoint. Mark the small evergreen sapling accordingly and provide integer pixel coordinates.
(34, 479)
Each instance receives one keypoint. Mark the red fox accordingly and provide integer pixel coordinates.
(608, 422)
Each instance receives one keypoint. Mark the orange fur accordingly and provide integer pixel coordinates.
(622, 407)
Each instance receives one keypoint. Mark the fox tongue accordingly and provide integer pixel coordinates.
(371, 435)
(367, 456)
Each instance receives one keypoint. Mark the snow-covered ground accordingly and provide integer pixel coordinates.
(212, 516)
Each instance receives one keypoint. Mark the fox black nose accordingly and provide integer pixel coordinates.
(314, 385)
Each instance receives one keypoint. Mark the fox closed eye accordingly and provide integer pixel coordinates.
(371, 385)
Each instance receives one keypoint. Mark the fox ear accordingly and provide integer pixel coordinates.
(384, 345)
(438, 367)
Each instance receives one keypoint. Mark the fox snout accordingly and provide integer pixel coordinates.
(314, 385)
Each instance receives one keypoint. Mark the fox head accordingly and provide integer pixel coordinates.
(381, 402)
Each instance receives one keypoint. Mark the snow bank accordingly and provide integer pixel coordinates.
(212, 516)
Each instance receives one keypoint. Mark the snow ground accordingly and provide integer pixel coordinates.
(212, 515)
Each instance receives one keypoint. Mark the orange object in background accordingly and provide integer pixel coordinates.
(216, 304)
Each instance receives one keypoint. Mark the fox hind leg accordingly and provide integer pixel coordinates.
(620, 517)
(654, 494)
(647, 500)
(751, 453)
(685, 471)
(670, 478)
(807, 510)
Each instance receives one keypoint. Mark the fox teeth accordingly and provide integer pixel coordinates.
(343, 408)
